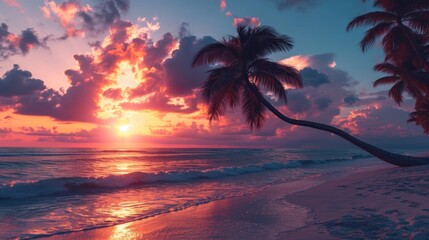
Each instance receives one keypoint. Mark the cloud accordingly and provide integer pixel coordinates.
(322, 102)
(222, 5)
(12, 44)
(300, 103)
(247, 21)
(53, 134)
(78, 19)
(162, 103)
(17, 82)
(351, 99)
(125, 71)
(156, 54)
(181, 78)
(295, 4)
(313, 77)
(113, 93)
(12, 3)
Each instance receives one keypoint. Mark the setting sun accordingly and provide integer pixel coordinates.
(124, 128)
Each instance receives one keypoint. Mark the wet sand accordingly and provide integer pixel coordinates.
(385, 203)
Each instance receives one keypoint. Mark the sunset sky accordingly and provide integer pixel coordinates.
(117, 74)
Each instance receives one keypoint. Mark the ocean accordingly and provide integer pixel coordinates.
(46, 192)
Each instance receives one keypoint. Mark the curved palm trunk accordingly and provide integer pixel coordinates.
(392, 158)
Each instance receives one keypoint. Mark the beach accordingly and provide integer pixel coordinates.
(210, 194)
(383, 203)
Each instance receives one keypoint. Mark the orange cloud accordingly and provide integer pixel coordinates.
(299, 61)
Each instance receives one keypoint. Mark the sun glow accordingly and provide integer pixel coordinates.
(124, 128)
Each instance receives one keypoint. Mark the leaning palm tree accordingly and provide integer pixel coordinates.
(242, 68)
(403, 25)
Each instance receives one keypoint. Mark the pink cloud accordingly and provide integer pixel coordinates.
(247, 21)
(222, 5)
(12, 3)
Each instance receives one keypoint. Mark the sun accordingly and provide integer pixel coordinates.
(124, 128)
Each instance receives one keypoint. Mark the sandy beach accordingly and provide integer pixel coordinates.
(386, 203)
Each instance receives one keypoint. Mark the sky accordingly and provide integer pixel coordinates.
(117, 74)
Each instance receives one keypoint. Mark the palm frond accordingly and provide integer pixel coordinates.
(264, 40)
(373, 33)
(418, 20)
(253, 109)
(271, 83)
(386, 80)
(387, 67)
(215, 53)
(371, 18)
(221, 89)
(284, 73)
(396, 92)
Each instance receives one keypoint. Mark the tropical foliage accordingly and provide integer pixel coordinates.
(402, 26)
(243, 59)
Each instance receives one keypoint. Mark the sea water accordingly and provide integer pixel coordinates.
(51, 191)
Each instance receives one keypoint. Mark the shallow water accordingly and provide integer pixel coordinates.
(51, 191)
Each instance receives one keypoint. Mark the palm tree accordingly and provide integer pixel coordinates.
(403, 26)
(406, 78)
(242, 67)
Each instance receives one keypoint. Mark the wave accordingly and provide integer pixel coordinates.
(83, 185)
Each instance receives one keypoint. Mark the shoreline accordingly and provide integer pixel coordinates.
(370, 203)
(258, 212)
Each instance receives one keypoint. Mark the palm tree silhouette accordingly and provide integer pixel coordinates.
(405, 78)
(403, 26)
(242, 67)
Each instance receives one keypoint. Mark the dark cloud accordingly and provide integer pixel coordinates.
(78, 103)
(298, 102)
(156, 53)
(85, 19)
(105, 13)
(17, 82)
(351, 99)
(184, 30)
(322, 102)
(12, 44)
(45, 103)
(180, 76)
(313, 78)
(322, 61)
(295, 4)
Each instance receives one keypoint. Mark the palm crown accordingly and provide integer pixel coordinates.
(402, 24)
(242, 64)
